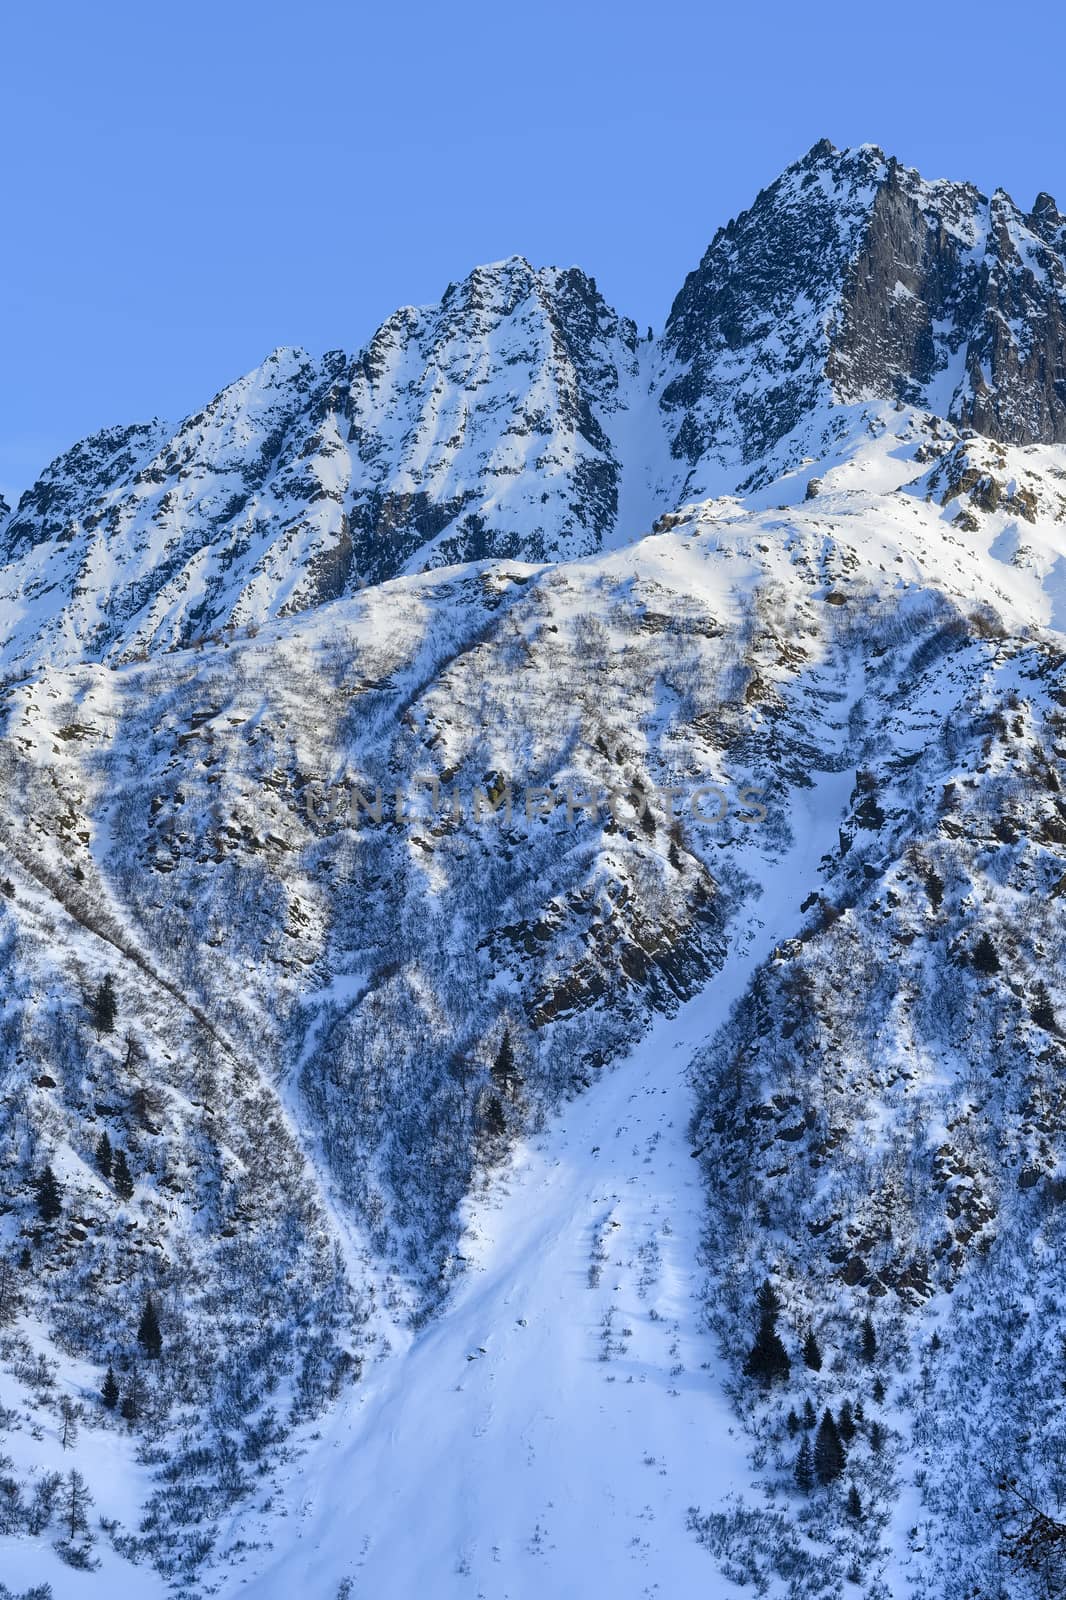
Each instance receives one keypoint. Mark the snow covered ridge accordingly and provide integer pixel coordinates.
(523, 418)
(595, 1199)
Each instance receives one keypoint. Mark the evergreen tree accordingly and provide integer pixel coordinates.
(25, 1259)
(70, 1413)
(768, 1359)
(133, 1400)
(860, 1414)
(103, 1007)
(878, 1392)
(103, 1155)
(804, 1468)
(828, 1450)
(49, 1200)
(495, 1122)
(109, 1389)
(868, 1348)
(846, 1422)
(148, 1334)
(1042, 1011)
(122, 1177)
(504, 1071)
(809, 1417)
(854, 1505)
(793, 1424)
(76, 1503)
(877, 1437)
(812, 1354)
(985, 958)
(768, 1301)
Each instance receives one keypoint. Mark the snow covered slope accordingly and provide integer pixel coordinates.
(551, 1432)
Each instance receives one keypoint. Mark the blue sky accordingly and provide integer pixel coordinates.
(185, 187)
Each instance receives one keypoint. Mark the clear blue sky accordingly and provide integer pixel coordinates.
(186, 186)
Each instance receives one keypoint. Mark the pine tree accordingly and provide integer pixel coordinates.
(846, 1422)
(812, 1354)
(49, 1200)
(878, 1392)
(25, 1259)
(792, 1423)
(985, 958)
(148, 1334)
(504, 1071)
(122, 1177)
(804, 1468)
(828, 1450)
(768, 1359)
(76, 1503)
(133, 1400)
(868, 1349)
(103, 1155)
(70, 1412)
(104, 1007)
(854, 1507)
(495, 1123)
(809, 1416)
(109, 1389)
(768, 1301)
(1042, 1011)
(877, 1437)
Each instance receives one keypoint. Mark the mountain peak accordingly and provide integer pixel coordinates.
(852, 278)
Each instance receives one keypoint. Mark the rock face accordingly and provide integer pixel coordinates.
(523, 418)
(852, 278)
(749, 334)
(957, 298)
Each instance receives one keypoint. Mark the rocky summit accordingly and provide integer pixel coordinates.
(532, 925)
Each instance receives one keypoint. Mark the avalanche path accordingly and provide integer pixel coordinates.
(549, 1431)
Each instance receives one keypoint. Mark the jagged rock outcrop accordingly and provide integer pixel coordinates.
(852, 278)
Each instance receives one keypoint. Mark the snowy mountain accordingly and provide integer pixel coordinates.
(569, 1011)
(523, 418)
